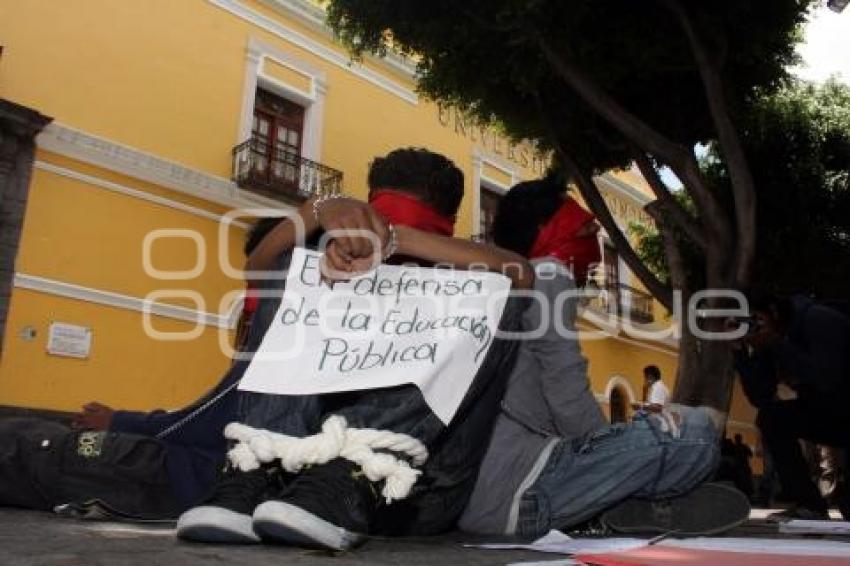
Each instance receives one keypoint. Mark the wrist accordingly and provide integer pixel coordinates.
(390, 247)
(308, 216)
(404, 235)
(318, 203)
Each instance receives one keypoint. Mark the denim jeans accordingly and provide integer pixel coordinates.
(399, 409)
(456, 451)
(817, 418)
(585, 476)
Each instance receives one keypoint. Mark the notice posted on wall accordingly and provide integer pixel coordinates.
(69, 340)
(395, 325)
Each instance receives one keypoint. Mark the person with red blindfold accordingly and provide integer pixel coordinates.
(414, 195)
(553, 461)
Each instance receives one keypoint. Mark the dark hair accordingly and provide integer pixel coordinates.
(766, 302)
(429, 176)
(258, 231)
(263, 226)
(523, 210)
(652, 371)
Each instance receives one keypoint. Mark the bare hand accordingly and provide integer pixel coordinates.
(339, 266)
(361, 231)
(94, 416)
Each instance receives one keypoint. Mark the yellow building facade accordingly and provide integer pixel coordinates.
(126, 282)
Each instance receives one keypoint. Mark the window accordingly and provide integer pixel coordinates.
(276, 138)
(611, 273)
(489, 205)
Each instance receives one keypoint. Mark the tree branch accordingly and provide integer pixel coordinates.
(593, 198)
(489, 25)
(743, 186)
(629, 124)
(692, 227)
(591, 195)
(675, 259)
(678, 157)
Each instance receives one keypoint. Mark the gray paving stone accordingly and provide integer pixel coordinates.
(29, 538)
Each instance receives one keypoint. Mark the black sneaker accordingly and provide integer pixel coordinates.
(226, 516)
(709, 509)
(330, 506)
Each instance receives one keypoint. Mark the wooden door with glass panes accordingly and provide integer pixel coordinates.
(277, 134)
(617, 406)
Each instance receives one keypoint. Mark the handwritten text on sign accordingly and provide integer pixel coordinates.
(395, 325)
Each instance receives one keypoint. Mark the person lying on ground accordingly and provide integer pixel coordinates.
(333, 504)
(97, 416)
(553, 461)
(145, 464)
(176, 456)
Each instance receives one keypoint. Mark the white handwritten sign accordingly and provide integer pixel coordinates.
(393, 326)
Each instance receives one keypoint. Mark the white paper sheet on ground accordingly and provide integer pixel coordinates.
(393, 326)
(801, 527)
(559, 543)
(112, 530)
(764, 546)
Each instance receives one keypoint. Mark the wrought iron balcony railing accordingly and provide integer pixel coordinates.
(280, 173)
(621, 300)
(636, 304)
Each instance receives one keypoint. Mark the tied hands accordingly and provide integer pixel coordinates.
(359, 237)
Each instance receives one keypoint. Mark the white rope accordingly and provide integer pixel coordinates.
(255, 446)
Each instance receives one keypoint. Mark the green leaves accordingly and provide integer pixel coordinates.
(482, 56)
(797, 141)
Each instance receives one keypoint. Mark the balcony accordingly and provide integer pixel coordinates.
(636, 304)
(621, 300)
(281, 174)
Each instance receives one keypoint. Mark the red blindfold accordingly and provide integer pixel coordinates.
(407, 210)
(557, 238)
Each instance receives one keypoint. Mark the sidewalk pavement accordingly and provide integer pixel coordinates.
(29, 538)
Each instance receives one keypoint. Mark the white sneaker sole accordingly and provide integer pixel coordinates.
(281, 522)
(216, 524)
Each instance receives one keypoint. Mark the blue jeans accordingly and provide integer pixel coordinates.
(400, 409)
(456, 451)
(585, 476)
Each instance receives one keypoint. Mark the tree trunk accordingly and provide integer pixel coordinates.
(705, 372)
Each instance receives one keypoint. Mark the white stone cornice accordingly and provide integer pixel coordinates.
(334, 55)
(314, 17)
(594, 326)
(624, 189)
(57, 288)
(100, 183)
(101, 152)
